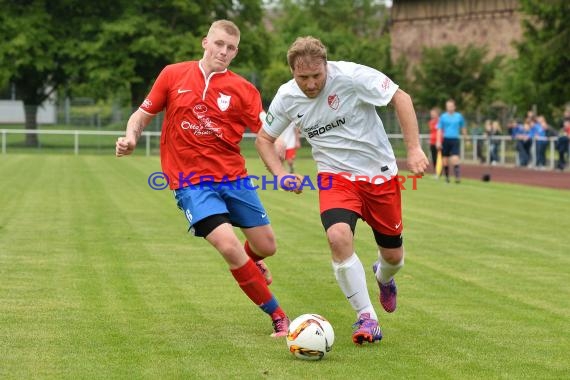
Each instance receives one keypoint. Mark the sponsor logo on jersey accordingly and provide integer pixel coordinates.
(223, 102)
(205, 125)
(333, 101)
(312, 127)
(200, 110)
(147, 103)
(317, 130)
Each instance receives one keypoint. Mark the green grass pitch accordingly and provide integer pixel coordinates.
(99, 280)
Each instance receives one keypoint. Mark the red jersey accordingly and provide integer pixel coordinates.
(433, 130)
(204, 122)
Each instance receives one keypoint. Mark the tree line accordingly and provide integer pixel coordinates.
(104, 48)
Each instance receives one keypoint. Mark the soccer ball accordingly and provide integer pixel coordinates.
(310, 337)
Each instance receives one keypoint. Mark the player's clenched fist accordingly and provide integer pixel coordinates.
(417, 161)
(124, 147)
(291, 182)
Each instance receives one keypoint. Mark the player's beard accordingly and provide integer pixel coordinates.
(315, 92)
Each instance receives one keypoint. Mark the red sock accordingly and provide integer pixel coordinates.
(253, 284)
(250, 252)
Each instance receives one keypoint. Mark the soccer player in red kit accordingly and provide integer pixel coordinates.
(432, 123)
(207, 109)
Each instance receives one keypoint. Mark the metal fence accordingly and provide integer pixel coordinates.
(74, 141)
(473, 148)
(503, 150)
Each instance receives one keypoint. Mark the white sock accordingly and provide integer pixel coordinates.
(386, 271)
(352, 280)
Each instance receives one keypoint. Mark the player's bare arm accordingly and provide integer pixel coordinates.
(265, 145)
(137, 123)
(417, 160)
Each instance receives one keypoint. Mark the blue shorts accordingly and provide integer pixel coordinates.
(242, 205)
(450, 147)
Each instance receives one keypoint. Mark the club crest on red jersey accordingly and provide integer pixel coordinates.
(334, 101)
(223, 102)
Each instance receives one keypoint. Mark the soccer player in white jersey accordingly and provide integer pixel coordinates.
(333, 105)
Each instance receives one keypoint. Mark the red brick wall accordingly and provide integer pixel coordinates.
(417, 24)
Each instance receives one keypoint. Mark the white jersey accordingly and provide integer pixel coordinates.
(341, 123)
(288, 137)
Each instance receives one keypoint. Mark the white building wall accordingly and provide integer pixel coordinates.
(12, 112)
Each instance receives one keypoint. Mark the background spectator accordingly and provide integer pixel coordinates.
(512, 127)
(541, 132)
(524, 142)
(492, 130)
(562, 144)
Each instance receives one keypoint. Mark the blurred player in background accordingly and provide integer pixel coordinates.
(287, 145)
(432, 124)
(450, 127)
(334, 105)
(207, 109)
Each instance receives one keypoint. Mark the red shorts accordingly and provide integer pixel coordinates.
(378, 205)
(290, 154)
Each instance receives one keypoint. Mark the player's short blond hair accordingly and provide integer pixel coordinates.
(306, 47)
(227, 26)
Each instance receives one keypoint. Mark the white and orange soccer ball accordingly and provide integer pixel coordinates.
(310, 337)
